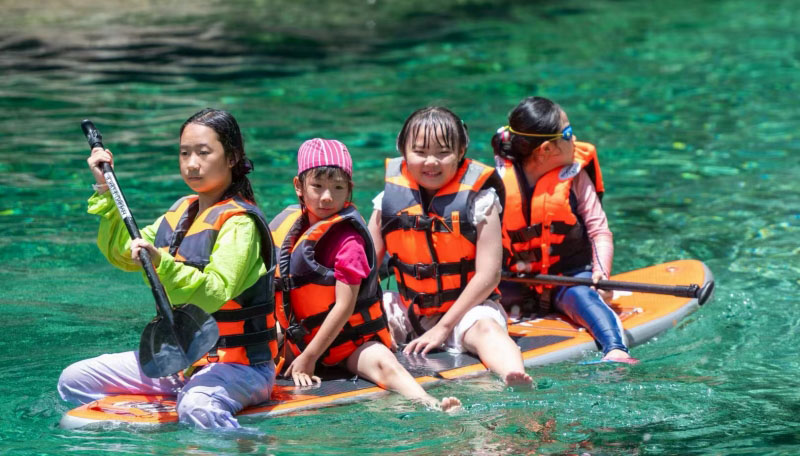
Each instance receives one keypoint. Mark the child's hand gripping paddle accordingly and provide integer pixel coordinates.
(175, 338)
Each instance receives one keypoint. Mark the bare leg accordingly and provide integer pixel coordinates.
(378, 364)
(497, 351)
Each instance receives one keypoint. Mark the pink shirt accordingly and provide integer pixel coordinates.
(593, 215)
(343, 250)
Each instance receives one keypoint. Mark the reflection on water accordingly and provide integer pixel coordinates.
(689, 103)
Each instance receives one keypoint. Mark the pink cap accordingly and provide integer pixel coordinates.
(323, 152)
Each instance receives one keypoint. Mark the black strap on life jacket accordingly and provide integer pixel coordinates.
(535, 231)
(431, 270)
(298, 330)
(243, 340)
(407, 222)
(245, 313)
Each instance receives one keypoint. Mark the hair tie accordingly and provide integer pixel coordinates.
(247, 165)
(504, 133)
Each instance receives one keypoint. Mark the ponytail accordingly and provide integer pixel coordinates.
(240, 184)
(535, 115)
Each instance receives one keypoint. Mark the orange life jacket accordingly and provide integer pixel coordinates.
(306, 290)
(545, 232)
(247, 333)
(432, 251)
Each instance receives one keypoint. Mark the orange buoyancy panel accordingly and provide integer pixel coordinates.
(247, 322)
(306, 289)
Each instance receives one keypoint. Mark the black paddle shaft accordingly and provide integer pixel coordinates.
(162, 301)
(687, 291)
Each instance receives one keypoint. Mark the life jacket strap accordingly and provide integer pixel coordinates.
(428, 300)
(431, 270)
(243, 340)
(284, 283)
(242, 314)
(413, 318)
(313, 321)
(353, 333)
(407, 222)
(295, 334)
(535, 231)
(526, 234)
(527, 256)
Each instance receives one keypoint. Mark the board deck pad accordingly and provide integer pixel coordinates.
(542, 341)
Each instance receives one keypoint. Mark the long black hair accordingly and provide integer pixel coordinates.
(227, 129)
(535, 115)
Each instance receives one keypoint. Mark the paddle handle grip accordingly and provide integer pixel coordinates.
(95, 139)
(687, 291)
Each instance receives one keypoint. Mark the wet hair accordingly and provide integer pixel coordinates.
(329, 172)
(439, 124)
(535, 115)
(227, 129)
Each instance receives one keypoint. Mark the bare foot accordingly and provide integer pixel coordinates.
(518, 379)
(450, 404)
(447, 404)
(619, 356)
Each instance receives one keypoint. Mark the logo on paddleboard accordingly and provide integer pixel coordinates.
(569, 171)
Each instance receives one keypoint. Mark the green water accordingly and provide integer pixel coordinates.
(692, 106)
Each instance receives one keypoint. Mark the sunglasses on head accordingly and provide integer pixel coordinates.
(566, 133)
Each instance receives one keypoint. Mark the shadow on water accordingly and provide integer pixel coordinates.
(223, 41)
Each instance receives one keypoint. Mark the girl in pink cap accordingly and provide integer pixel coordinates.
(439, 221)
(328, 298)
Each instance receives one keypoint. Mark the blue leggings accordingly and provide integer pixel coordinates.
(582, 305)
(586, 308)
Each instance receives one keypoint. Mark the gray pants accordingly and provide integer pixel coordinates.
(208, 399)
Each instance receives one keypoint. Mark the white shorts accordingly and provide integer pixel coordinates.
(400, 326)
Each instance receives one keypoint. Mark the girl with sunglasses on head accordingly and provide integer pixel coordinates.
(554, 222)
(439, 220)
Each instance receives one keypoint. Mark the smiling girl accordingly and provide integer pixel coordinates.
(439, 220)
(212, 249)
(329, 298)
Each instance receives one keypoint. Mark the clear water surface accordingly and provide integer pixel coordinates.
(692, 106)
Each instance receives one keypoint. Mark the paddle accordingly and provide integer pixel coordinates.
(175, 338)
(688, 291)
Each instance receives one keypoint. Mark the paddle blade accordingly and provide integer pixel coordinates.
(165, 350)
(197, 330)
(160, 351)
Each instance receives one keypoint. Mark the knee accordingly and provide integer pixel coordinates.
(387, 368)
(485, 328)
(72, 383)
(205, 412)
(574, 296)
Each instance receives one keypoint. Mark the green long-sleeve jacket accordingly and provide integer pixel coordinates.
(234, 265)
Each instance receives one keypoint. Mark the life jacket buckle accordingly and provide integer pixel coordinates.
(422, 223)
(423, 270)
(284, 283)
(295, 333)
(426, 300)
